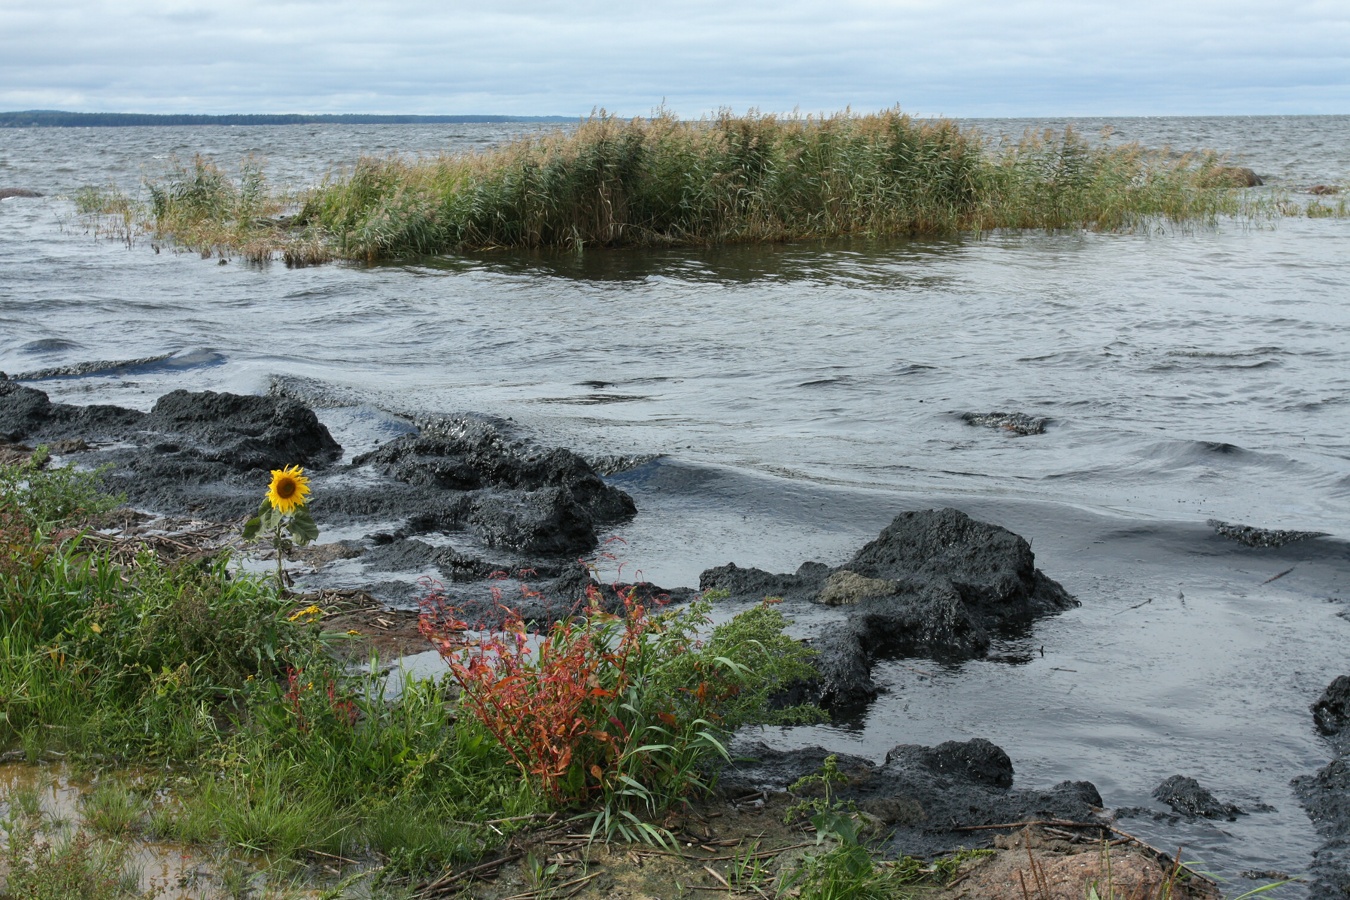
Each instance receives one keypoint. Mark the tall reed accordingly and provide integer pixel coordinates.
(664, 181)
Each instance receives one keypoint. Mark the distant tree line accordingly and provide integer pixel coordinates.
(51, 118)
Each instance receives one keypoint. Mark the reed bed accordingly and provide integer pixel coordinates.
(663, 181)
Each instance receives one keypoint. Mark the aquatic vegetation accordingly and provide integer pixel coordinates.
(663, 181)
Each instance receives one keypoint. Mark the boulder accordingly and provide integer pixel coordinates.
(1331, 712)
(521, 497)
(244, 433)
(7, 192)
(934, 583)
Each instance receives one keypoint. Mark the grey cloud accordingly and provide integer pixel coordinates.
(412, 56)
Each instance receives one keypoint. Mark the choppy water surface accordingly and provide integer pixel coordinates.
(803, 394)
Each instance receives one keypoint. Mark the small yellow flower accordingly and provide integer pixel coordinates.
(309, 614)
(352, 632)
(288, 489)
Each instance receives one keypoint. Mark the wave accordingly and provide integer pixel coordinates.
(182, 360)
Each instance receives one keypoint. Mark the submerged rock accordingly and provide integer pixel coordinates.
(1260, 537)
(1016, 422)
(929, 797)
(7, 192)
(1189, 799)
(934, 583)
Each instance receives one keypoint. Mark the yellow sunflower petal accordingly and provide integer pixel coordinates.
(288, 489)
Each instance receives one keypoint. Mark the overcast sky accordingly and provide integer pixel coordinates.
(971, 58)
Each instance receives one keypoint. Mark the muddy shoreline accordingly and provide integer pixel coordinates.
(460, 499)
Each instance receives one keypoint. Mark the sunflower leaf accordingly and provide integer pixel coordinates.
(252, 527)
(303, 527)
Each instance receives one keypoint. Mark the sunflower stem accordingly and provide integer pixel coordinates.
(281, 575)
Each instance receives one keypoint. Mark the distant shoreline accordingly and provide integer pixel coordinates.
(49, 118)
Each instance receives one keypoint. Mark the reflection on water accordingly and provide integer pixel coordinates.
(51, 796)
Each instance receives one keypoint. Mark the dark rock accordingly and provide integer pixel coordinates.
(758, 584)
(1016, 422)
(1261, 537)
(23, 411)
(844, 666)
(928, 795)
(1326, 798)
(1188, 798)
(544, 501)
(1331, 712)
(934, 583)
(246, 433)
(977, 761)
(6, 193)
(1325, 795)
(547, 522)
(992, 569)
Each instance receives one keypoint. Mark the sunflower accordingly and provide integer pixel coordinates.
(288, 489)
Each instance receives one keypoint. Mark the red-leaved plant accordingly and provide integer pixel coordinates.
(615, 710)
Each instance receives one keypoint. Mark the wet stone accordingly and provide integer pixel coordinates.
(1014, 423)
(1331, 712)
(934, 583)
(1251, 536)
(1189, 799)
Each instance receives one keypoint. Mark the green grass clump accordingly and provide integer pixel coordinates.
(662, 181)
(76, 867)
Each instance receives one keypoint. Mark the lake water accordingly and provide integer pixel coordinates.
(802, 394)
